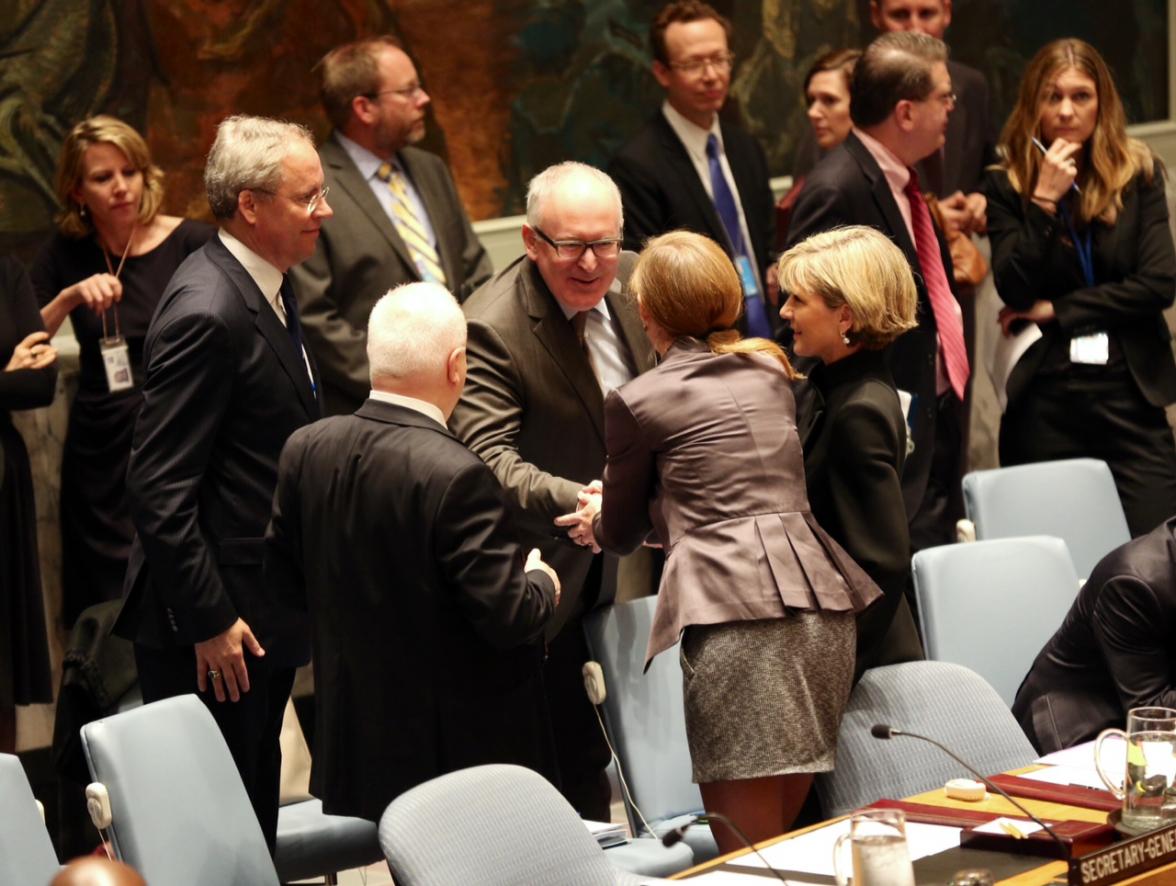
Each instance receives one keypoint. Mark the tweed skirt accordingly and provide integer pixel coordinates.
(766, 697)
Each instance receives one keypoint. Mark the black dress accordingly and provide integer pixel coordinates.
(96, 529)
(24, 649)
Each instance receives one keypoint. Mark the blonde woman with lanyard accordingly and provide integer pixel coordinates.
(105, 269)
(1081, 248)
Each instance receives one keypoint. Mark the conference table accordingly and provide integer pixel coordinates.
(742, 869)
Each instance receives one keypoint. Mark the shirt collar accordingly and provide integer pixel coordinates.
(365, 161)
(267, 277)
(424, 407)
(601, 306)
(692, 136)
(896, 172)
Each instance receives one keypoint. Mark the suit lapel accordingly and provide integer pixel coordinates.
(555, 333)
(347, 178)
(622, 307)
(883, 198)
(678, 158)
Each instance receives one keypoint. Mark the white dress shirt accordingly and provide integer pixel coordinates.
(606, 345)
(368, 164)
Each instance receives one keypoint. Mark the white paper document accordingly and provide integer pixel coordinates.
(1076, 765)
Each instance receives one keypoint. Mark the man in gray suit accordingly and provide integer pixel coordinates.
(398, 216)
(548, 336)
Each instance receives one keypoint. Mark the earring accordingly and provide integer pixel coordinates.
(845, 337)
(82, 210)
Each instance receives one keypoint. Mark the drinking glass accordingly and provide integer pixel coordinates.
(878, 848)
(1148, 790)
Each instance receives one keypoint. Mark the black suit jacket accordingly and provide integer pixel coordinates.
(661, 191)
(848, 188)
(224, 388)
(1114, 651)
(395, 539)
(360, 256)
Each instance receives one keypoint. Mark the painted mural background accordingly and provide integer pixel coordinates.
(515, 85)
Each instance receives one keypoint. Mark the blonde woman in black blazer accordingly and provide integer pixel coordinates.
(850, 293)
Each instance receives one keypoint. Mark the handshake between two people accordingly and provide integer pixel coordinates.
(579, 522)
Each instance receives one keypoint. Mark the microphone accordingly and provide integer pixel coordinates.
(674, 835)
(881, 730)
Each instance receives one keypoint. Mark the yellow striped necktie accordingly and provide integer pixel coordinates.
(409, 226)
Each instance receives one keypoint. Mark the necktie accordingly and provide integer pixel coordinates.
(579, 324)
(409, 226)
(943, 303)
(293, 327)
(724, 200)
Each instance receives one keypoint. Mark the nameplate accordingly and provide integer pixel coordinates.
(1126, 859)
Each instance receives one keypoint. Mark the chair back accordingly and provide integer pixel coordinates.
(180, 812)
(497, 824)
(1074, 499)
(646, 719)
(991, 605)
(26, 853)
(946, 702)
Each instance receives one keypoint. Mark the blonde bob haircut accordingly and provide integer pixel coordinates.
(858, 267)
(71, 168)
(690, 288)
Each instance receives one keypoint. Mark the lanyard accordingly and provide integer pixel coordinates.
(115, 274)
(1082, 245)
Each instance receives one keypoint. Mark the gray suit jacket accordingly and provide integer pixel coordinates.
(360, 256)
(534, 412)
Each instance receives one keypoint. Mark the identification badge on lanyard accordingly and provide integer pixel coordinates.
(747, 277)
(116, 357)
(1092, 350)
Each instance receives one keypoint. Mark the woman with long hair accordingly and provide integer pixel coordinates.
(105, 268)
(703, 455)
(1081, 248)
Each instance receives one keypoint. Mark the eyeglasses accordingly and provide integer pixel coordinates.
(948, 101)
(411, 92)
(311, 203)
(572, 250)
(695, 66)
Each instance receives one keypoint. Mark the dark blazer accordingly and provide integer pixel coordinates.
(854, 442)
(533, 410)
(360, 256)
(393, 536)
(1115, 650)
(703, 452)
(848, 188)
(661, 191)
(1134, 259)
(224, 389)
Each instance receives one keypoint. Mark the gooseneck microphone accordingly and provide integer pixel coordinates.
(881, 730)
(674, 835)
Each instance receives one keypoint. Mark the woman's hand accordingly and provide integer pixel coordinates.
(33, 352)
(1039, 312)
(1058, 171)
(97, 292)
(579, 523)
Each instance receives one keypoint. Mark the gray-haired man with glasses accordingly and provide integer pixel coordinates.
(687, 169)
(398, 216)
(548, 337)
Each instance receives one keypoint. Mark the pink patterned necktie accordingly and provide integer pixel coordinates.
(943, 303)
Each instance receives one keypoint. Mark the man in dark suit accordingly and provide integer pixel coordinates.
(900, 101)
(687, 169)
(1114, 651)
(549, 336)
(227, 381)
(426, 634)
(398, 216)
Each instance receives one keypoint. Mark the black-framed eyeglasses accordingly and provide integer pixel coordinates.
(311, 203)
(572, 250)
(410, 92)
(695, 66)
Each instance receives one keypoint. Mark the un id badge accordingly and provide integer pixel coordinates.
(747, 276)
(117, 360)
(1093, 350)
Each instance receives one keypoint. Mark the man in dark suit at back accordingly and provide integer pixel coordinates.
(427, 624)
(900, 101)
(227, 381)
(398, 216)
(687, 168)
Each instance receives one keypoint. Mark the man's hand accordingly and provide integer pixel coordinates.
(579, 523)
(220, 660)
(535, 561)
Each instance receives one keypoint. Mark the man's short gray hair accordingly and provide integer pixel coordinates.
(247, 153)
(552, 178)
(412, 331)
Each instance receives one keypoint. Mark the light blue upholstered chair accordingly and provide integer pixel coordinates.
(26, 853)
(644, 714)
(495, 825)
(946, 702)
(180, 815)
(1074, 499)
(311, 843)
(992, 605)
